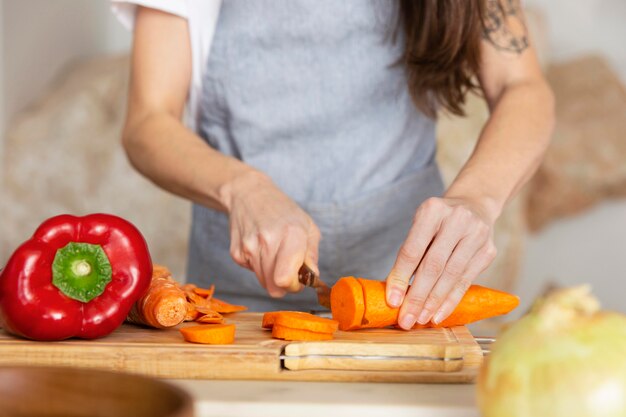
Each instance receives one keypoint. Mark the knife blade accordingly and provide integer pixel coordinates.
(308, 278)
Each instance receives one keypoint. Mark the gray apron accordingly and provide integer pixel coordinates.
(307, 92)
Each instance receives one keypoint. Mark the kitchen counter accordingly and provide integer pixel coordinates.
(325, 399)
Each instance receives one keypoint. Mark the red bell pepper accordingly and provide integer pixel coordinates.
(76, 277)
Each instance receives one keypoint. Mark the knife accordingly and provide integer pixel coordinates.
(308, 278)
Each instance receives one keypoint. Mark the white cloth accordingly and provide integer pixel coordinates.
(201, 18)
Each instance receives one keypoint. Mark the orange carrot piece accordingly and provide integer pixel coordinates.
(163, 305)
(269, 317)
(305, 321)
(192, 313)
(205, 292)
(214, 334)
(224, 307)
(287, 333)
(478, 303)
(210, 319)
(377, 313)
(347, 304)
(196, 299)
(188, 287)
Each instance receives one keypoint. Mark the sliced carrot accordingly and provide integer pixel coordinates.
(188, 287)
(270, 316)
(211, 319)
(214, 334)
(224, 307)
(305, 321)
(192, 313)
(205, 292)
(478, 303)
(286, 333)
(196, 299)
(347, 304)
(377, 313)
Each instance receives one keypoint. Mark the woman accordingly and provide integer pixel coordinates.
(313, 139)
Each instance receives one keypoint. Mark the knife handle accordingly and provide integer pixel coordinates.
(306, 276)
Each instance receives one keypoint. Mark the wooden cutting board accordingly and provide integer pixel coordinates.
(376, 355)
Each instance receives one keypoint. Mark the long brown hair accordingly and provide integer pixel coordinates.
(441, 51)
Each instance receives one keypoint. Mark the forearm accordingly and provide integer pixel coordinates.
(510, 147)
(176, 159)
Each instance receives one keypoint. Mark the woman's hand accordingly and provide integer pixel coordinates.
(270, 234)
(449, 244)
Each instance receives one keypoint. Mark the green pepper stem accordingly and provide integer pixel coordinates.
(81, 268)
(81, 271)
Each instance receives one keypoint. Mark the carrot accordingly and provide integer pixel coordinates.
(287, 333)
(214, 334)
(377, 313)
(205, 292)
(478, 303)
(163, 305)
(215, 318)
(348, 306)
(269, 317)
(305, 321)
(224, 307)
(192, 312)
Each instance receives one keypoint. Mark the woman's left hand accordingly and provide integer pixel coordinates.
(449, 244)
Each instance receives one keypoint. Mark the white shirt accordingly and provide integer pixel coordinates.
(201, 18)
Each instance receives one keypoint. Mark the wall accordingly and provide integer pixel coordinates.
(590, 247)
(40, 37)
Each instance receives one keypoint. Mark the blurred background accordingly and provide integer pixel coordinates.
(63, 80)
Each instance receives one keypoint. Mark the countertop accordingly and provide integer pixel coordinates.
(325, 399)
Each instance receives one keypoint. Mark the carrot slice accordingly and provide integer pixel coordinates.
(305, 321)
(192, 313)
(205, 292)
(287, 333)
(224, 307)
(377, 313)
(270, 317)
(215, 318)
(214, 334)
(196, 299)
(347, 304)
(188, 287)
(478, 303)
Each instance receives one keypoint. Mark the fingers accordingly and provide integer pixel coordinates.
(454, 273)
(289, 258)
(429, 270)
(477, 265)
(276, 258)
(425, 225)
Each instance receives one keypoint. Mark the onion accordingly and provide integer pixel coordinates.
(564, 358)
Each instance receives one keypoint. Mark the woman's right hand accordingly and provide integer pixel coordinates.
(269, 233)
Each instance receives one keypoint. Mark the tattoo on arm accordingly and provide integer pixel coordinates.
(504, 26)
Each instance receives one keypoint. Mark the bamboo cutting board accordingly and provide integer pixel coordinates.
(375, 355)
